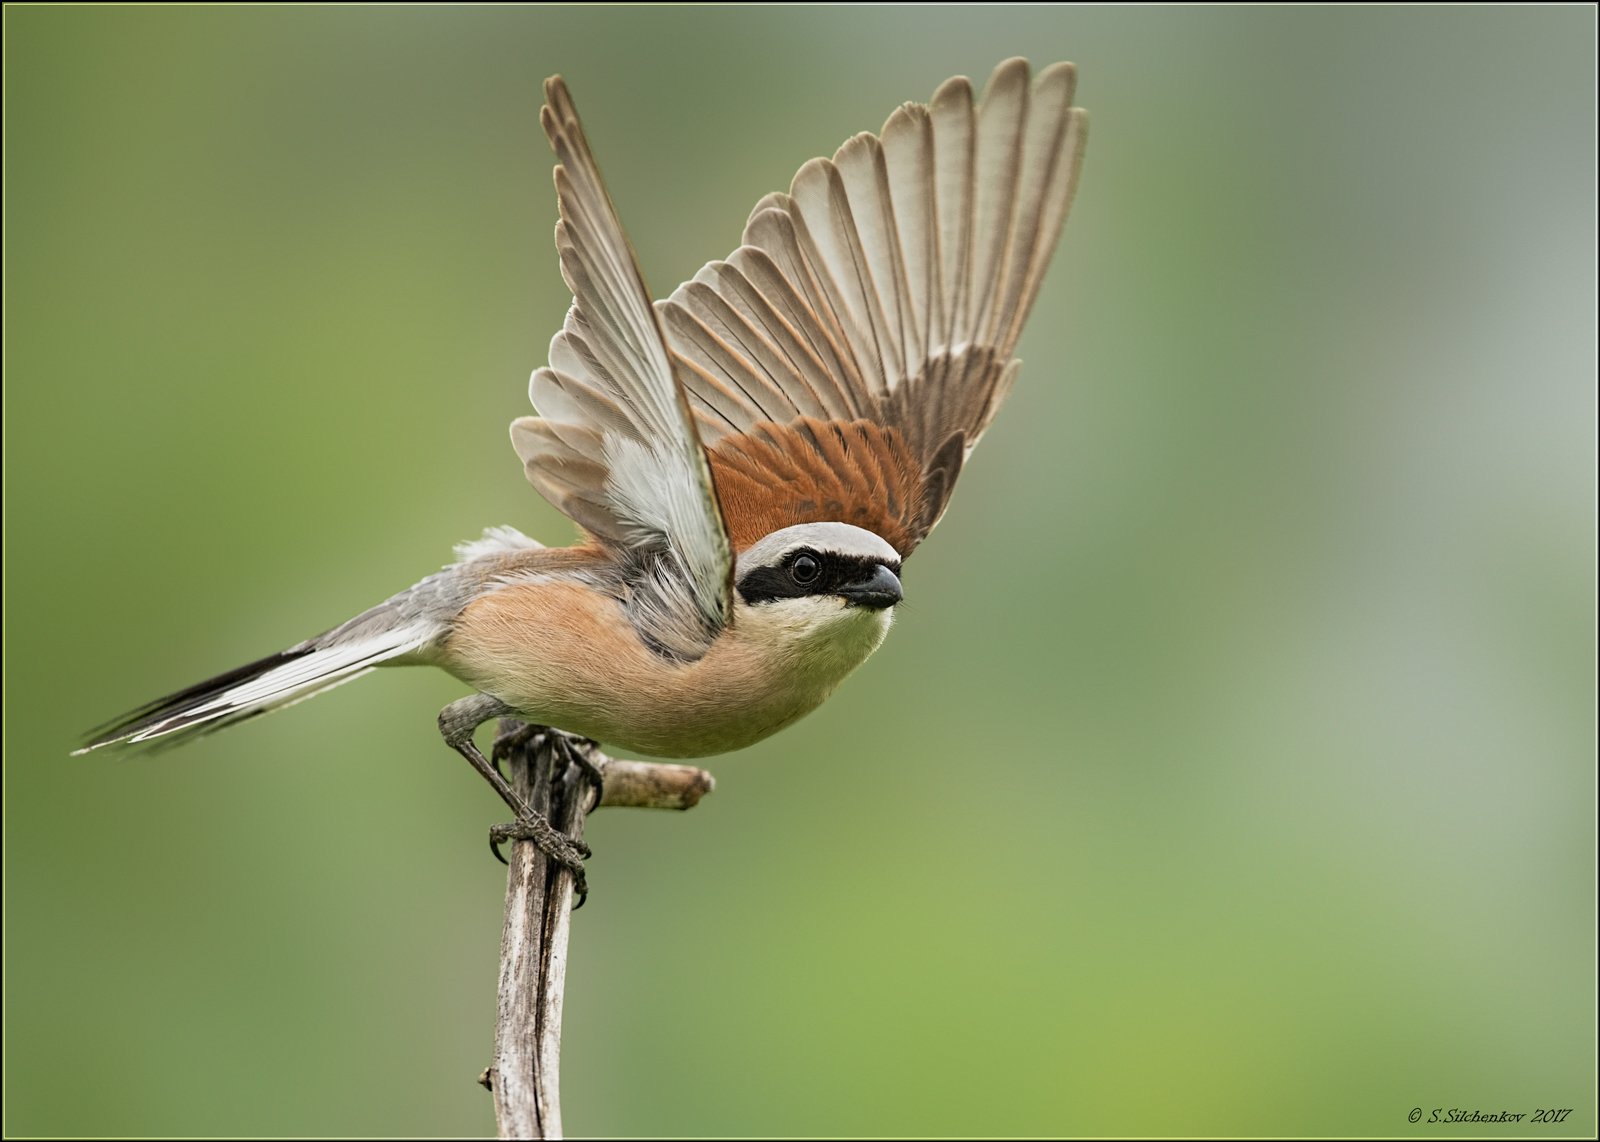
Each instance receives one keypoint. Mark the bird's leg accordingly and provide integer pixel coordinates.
(457, 721)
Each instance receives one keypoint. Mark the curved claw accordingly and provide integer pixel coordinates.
(566, 851)
(541, 834)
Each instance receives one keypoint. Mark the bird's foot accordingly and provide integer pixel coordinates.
(564, 850)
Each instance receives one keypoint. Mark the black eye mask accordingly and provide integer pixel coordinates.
(794, 577)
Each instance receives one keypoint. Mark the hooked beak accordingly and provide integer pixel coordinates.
(880, 590)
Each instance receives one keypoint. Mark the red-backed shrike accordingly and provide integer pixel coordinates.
(751, 461)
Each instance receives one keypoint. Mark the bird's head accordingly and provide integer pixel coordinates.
(826, 588)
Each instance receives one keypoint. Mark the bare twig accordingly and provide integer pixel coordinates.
(525, 1074)
(643, 785)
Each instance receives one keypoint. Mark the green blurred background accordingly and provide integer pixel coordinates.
(1230, 768)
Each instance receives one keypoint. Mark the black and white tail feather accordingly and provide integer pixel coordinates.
(268, 684)
(397, 632)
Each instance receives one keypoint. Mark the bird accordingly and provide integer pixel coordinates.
(750, 462)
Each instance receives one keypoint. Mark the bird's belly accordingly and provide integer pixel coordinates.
(675, 728)
(600, 681)
(693, 710)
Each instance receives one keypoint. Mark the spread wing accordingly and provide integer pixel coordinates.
(842, 363)
(615, 446)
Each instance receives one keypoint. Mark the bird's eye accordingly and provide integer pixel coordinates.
(805, 568)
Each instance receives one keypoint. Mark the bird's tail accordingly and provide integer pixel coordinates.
(268, 684)
(399, 631)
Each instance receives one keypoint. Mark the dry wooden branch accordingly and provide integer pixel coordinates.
(525, 1074)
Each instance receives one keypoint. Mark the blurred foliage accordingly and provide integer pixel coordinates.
(1231, 768)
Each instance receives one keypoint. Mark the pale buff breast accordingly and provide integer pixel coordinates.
(566, 656)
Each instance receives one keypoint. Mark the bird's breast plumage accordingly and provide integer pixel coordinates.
(564, 654)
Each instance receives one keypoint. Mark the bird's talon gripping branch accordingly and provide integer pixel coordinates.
(565, 851)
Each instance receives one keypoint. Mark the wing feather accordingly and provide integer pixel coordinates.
(908, 163)
(778, 233)
(996, 159)
(953, 128)
(777, 302)
(714, 336)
